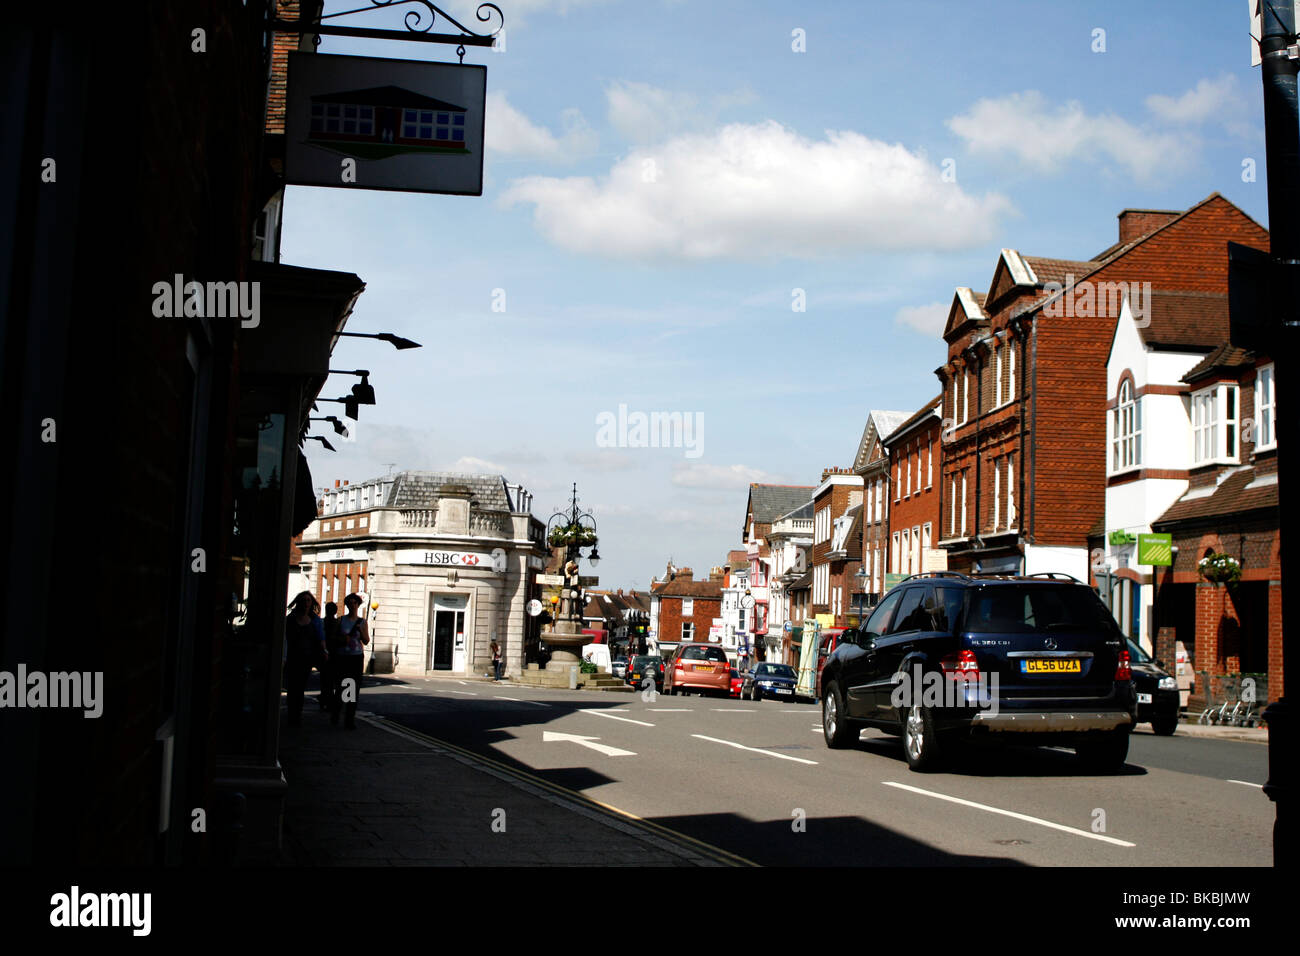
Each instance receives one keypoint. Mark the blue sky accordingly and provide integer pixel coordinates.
(662, 176)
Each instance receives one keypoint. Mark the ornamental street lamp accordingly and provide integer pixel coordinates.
(572, 530)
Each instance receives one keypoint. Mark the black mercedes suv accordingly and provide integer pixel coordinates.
(946, 657)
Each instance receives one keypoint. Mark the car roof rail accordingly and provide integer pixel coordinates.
(1054, 575)
(934, 574)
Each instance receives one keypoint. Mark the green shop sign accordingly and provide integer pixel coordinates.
(1156, 549)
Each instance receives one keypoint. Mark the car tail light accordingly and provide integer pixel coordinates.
(1122, 670)
(961, 666)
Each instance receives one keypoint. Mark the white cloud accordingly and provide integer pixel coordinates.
(718, 476)
(476, 466)
(760, 191)
(602, 461)
(929, 319)
(510, 133)
(1045, 137)
(1218, 100)
(648, 114)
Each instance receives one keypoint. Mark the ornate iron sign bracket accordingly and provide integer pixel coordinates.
(416, 29)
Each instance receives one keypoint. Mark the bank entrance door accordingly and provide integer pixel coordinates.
(446, 634)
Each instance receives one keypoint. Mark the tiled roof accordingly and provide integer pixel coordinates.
(1055, 270)
(687, 587)
(803, 582)
(1186, 319)
(1226, 356)
(769, 502)
(1230, 498)
(419, 489)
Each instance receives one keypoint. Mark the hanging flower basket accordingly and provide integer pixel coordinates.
(572, 534)
(1220, 568)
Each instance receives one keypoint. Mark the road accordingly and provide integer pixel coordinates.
(757, 780)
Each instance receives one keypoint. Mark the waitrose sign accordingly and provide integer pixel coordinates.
(449, 559)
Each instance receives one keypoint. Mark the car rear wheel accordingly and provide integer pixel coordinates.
(1165, 726)
(1106, 751)
(835, 728)
(921, 742)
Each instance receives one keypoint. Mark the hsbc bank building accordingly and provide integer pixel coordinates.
(445, 564)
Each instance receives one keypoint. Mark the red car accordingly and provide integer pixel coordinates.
(736, 682)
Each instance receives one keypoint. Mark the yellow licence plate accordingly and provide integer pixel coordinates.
(704, 667)
(1068, 666)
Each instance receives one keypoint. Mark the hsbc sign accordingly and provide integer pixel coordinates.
(446, 559)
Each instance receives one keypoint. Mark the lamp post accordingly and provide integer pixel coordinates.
(574, 530)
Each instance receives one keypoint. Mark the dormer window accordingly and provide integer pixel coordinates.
(1126, 435)
(1214, 425)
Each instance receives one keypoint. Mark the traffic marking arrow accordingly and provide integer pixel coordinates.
(590, 742)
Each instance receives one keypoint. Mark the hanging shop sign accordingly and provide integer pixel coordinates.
(367, 123)
(1156, 549)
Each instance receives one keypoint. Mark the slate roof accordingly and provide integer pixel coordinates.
(915, 418)
(803, 582)
(1226, 356)
(805, 510)
(419, 489)
(888, 421)
(1231, 497)
(769, 502)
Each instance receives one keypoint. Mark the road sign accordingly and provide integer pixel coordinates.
(553, 580)
(788, 626)
(534, 607)
(1156, 549)
(893, 580)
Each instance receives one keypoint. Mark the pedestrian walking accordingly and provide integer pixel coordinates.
(333, 644)
(355, 635)
(496, 661)
(304, 642)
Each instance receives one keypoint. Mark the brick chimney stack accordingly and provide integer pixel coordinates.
(826, 472)
(1138, 222)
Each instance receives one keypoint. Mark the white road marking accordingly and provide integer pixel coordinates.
(732, 710)
(671, 710)
(589, 742)
(757, 750)
(466, 693)
(1247, 783)
(601, 713)
(462, 682)
(518, 700)
(1010, 813)
(803, 711)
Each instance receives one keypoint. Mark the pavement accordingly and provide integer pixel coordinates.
(1191, 728)
(383, 795)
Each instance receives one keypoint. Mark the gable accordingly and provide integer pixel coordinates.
(967, 307)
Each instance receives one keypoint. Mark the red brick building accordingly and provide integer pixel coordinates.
(1024, 406)
(1231, 508)
(915, 456)
(837, 549)
(871, 464)
(682, 609)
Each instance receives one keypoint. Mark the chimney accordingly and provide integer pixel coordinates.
(345, 482)
(686, 573)
(337, 482)
(1134, 223)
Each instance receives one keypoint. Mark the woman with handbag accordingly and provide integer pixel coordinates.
(354, 635)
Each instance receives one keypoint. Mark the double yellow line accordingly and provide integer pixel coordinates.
(716, 854)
